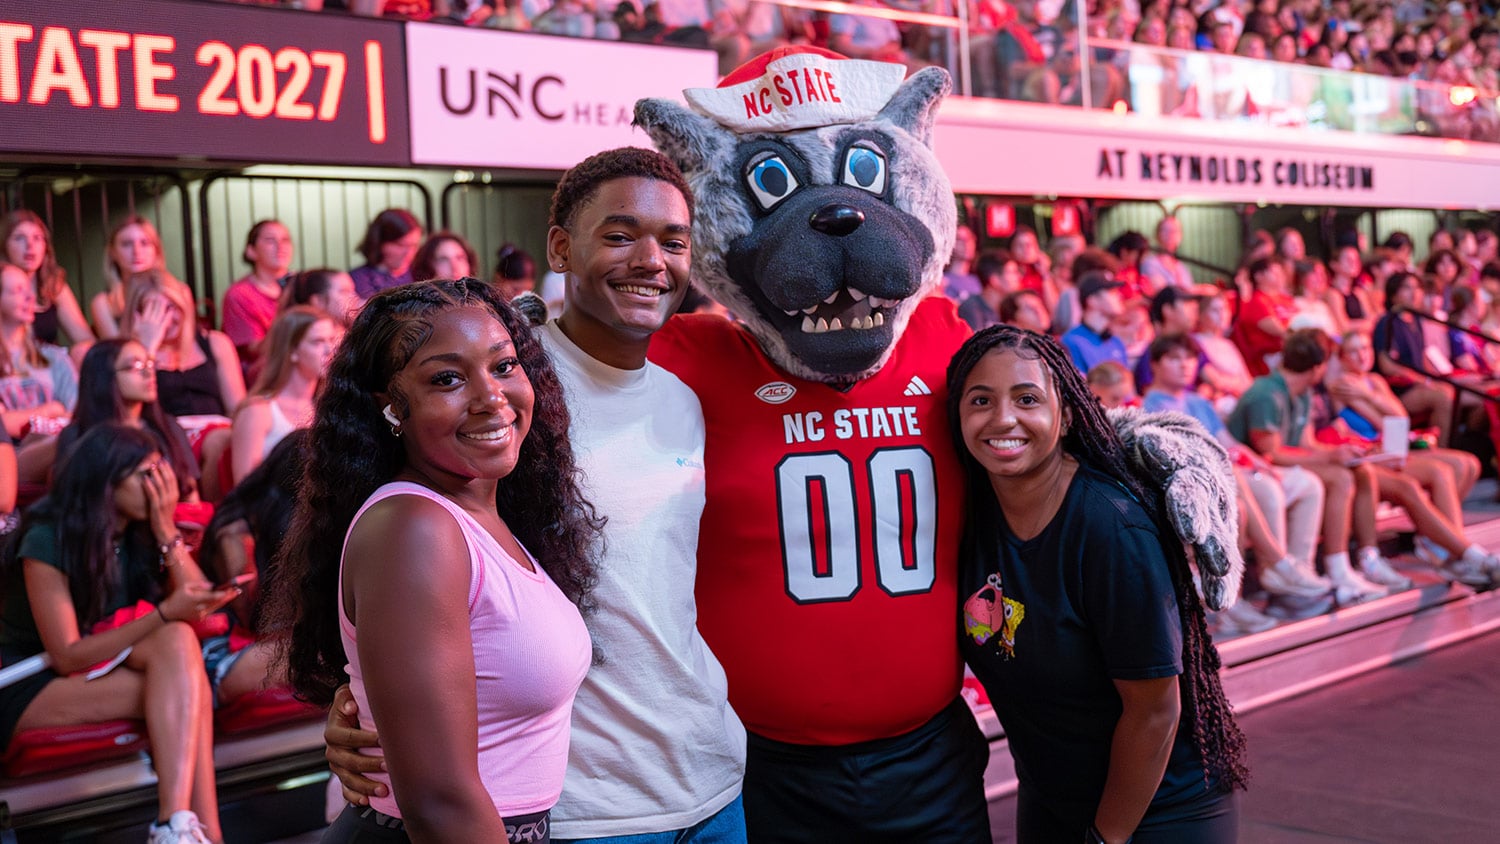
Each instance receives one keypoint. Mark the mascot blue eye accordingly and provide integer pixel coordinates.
(864, 168)
(771, 181)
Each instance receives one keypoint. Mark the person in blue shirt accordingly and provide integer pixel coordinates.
(1090, 342)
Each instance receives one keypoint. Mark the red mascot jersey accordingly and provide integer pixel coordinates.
(827, 560)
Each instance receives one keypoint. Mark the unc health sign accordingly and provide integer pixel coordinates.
(1019, 148)
(495, 99)
(158, 79)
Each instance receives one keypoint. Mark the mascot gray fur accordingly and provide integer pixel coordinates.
(829, 250)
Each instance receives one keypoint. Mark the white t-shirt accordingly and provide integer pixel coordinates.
(656, 746)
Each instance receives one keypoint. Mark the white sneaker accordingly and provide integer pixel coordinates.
(1377, 570)
(1483, 573)
(1242, 619)
(1352, 589)
(1287, 577)
(182, 828)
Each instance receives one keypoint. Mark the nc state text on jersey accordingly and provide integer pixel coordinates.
(851, 423)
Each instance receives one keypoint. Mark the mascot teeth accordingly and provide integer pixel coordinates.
(859, 295)
(831, 297)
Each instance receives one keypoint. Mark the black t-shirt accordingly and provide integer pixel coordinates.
(134, 580)
(1087, 601)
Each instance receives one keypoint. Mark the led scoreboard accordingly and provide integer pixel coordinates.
(201, 81)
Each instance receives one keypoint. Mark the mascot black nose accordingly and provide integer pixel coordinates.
(837, 220)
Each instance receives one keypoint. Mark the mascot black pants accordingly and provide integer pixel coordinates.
(926, 786)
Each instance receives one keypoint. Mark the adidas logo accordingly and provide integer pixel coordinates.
(917, 387)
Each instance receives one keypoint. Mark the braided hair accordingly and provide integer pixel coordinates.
(1092, 440)
(351, 453)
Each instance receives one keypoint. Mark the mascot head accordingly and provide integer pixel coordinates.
(823, 216)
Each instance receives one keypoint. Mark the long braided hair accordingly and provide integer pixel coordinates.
(1092, 440)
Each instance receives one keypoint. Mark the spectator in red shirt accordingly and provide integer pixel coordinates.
(1035, 271)
(1263, 320)
(250, 303)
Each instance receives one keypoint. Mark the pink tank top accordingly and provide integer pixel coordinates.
(531, 650)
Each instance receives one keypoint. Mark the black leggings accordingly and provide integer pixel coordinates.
(1218, 823)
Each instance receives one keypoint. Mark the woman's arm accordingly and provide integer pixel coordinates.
(16, 420)
(57, 622)
(231, 378)
(407, 570)
(104, 321)
(1337, 310)
(70, 317)
(248, 436)
(236, 556)
(1272, 326)
(10, 477)
(1138, 754)
(1384, 397)
(64, 376)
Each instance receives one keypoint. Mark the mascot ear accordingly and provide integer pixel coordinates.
(686, 137)
(914, 107)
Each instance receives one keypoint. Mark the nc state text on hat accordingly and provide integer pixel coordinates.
(803, 85)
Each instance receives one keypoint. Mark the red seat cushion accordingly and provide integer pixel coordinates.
(50, 749)
(263, 708)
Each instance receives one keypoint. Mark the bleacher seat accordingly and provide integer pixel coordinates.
(261, 709)
(51, 749)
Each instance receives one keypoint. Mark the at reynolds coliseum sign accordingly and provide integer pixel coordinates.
(1023, 149)
(201, 81)
(481, 98)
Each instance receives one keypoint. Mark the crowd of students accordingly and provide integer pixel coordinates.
(1290, 366)
(1453, 42)
(163, 487)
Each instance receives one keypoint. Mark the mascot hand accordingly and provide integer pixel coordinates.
(1197, 482)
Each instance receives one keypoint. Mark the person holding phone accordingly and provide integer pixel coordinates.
(99, 578)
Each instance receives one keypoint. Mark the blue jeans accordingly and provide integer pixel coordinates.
(726, 826)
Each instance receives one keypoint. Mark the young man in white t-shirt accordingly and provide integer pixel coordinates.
(657, 753)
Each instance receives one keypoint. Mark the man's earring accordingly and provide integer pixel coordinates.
(390, 416)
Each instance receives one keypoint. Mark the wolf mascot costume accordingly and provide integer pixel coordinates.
(827, 578)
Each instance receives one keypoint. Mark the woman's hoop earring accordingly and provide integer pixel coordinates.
(390, 416)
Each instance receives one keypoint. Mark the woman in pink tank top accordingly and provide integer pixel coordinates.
(439, 456)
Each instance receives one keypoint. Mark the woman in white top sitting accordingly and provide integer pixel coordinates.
(38, 384)
(297, 351)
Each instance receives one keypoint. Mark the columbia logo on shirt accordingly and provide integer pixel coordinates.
(917, 387)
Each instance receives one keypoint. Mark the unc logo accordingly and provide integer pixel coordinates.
(776, 392)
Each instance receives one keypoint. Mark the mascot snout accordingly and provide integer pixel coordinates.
(828, 268)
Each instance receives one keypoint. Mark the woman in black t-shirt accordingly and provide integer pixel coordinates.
(1080, 618)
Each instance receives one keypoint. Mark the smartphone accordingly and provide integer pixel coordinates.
(236, 582)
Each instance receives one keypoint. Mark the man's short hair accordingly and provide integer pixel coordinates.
(1304, 350)
(1166, 344)
(991, 264)
(1107, 374)
(580, 184)
(1012, 303)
